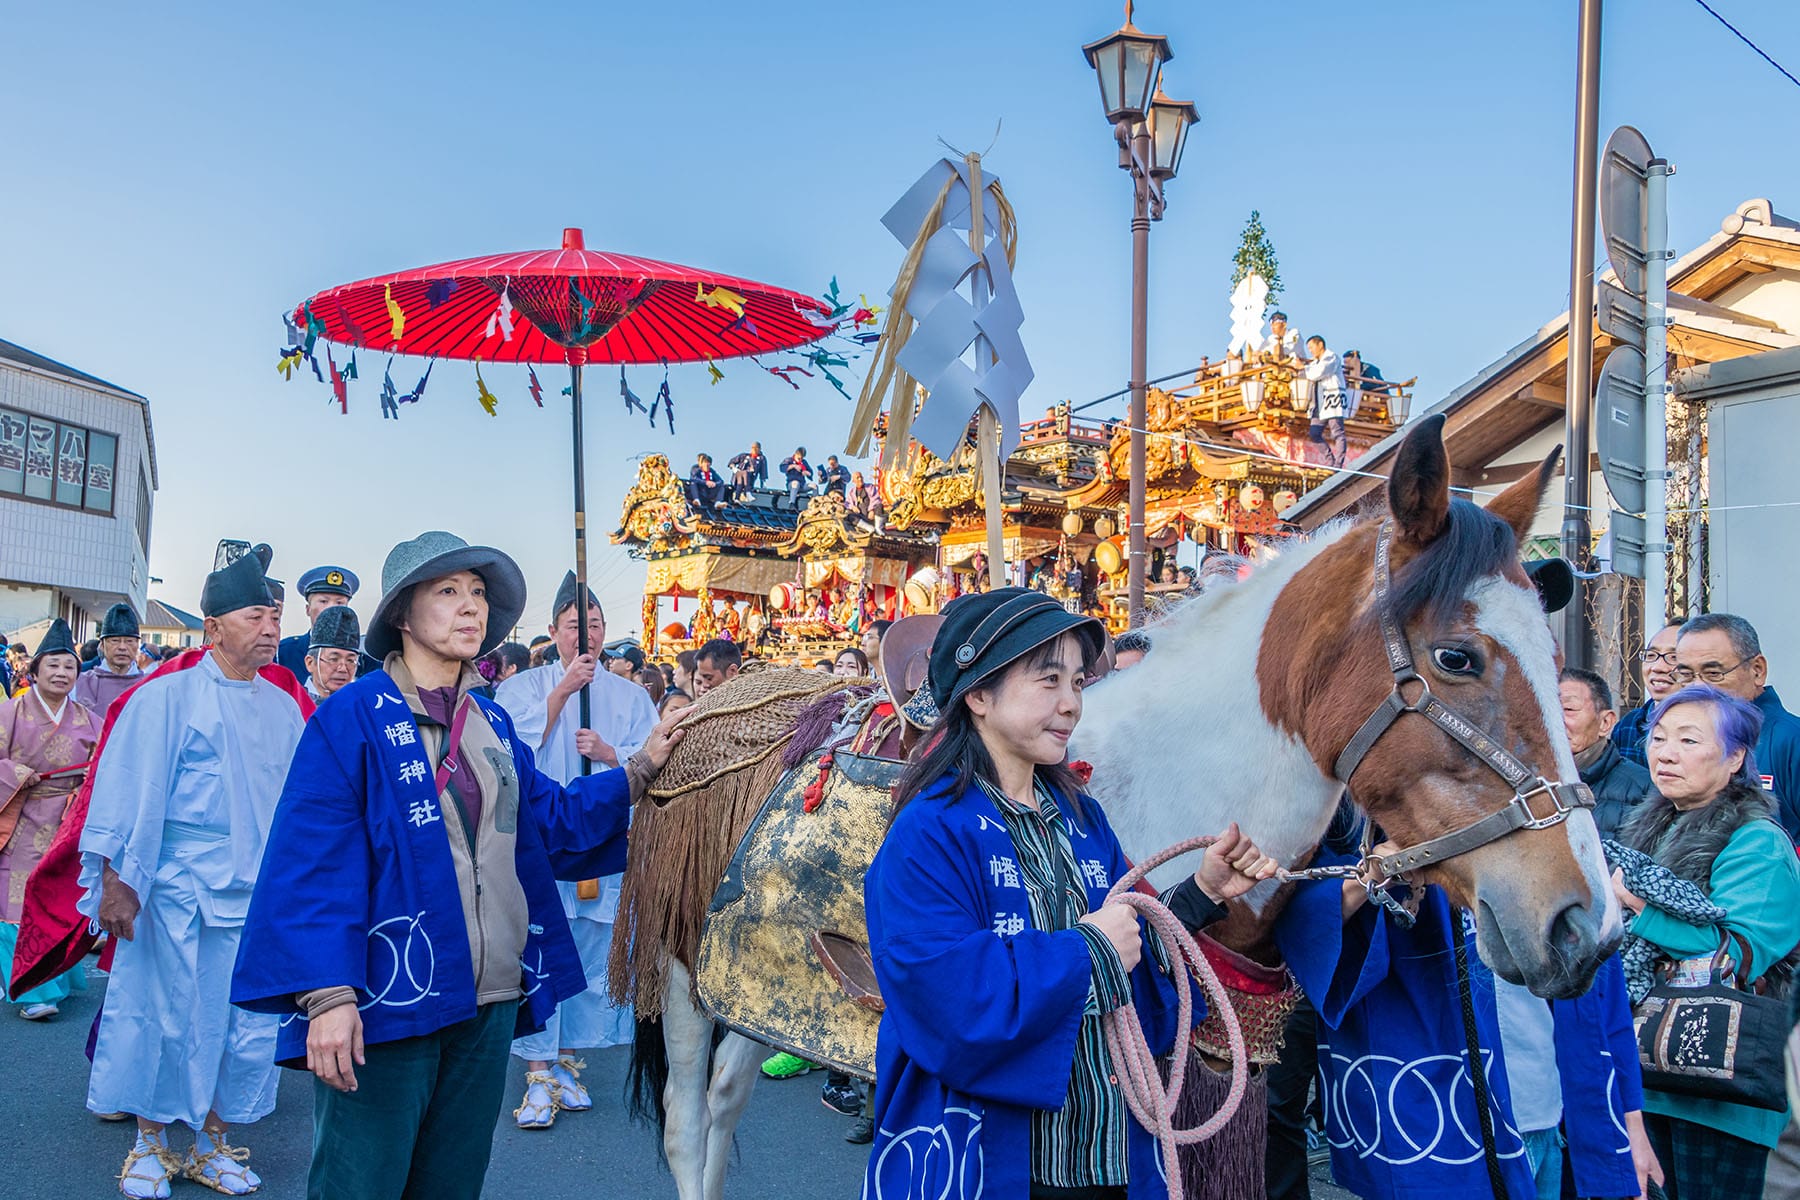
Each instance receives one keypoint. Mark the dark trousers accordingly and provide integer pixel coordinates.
(1330, 433)
(1700, 1162)
(1043, 1191)
(420, 1124)
(1290, 1081)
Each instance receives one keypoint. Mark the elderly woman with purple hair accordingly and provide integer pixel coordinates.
(1713, 844)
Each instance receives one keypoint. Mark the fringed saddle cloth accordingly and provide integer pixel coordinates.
(690, 821)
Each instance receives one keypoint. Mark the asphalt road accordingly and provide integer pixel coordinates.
(788, 1144)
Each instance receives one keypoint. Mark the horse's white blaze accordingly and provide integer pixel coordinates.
(1180, 744)
(1512, 616)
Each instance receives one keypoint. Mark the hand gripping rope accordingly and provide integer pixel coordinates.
(1152, 1104)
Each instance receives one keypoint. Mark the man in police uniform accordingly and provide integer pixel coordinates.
(334, 649)
(322, 588)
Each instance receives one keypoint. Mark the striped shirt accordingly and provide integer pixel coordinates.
(1081, 1144)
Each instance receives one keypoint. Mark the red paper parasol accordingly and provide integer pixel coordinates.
(578, 305)
(571, 305)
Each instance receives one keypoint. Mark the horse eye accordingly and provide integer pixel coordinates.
(1453, 661)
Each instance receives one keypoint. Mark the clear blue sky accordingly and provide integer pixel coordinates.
(176, 176)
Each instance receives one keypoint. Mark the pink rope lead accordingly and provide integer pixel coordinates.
(1151, 1103)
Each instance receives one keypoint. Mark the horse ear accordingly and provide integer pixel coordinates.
(1519, 503)
(1419, 488)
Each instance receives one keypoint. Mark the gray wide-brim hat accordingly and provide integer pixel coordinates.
(433, 555)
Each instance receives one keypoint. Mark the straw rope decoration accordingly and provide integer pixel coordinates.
(887, 382)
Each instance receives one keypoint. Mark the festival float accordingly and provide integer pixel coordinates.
(1227, 450)
(795, 583)
(1225, 454)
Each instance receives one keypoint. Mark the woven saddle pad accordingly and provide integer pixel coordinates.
(740, 724)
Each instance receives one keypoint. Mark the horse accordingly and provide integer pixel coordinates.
(1404, 657)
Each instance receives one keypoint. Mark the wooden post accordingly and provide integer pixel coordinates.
(987, 426)
(987, 444)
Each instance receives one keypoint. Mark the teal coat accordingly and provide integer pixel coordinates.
(1756, 879)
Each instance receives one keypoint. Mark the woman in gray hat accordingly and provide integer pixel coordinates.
(409, 916)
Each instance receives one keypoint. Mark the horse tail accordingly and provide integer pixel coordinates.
(647, 1076)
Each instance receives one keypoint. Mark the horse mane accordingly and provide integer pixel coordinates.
(1474, 544)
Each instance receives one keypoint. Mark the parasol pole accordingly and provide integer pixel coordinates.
(576, 356)
(987, 422)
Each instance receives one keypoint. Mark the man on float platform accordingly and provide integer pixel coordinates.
(544, 704)
(183, 795)
(321, 588)
(117, 670)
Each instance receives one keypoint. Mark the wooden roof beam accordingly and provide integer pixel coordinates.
(1748, 257)
(1543, 394)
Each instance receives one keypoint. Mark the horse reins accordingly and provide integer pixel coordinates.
(1140, 1081)
(1377, 871)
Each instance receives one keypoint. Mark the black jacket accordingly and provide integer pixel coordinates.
(1618, 784)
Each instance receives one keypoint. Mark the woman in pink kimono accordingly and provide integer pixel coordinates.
(42, 733)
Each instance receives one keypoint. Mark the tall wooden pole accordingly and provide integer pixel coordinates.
(987, 425)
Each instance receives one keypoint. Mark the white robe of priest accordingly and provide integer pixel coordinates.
(621, 712)
(183, 796)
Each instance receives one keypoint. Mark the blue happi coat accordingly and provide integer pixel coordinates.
(356, 888)
(1399, 1109)
(982, 1008)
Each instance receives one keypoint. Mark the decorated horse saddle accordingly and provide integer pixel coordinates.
(784, 956)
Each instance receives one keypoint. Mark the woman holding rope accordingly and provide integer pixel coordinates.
(992, 938)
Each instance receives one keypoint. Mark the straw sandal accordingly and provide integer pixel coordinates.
(538, 1110)
(148, 1168)
(571, 1094)
(222, 1168)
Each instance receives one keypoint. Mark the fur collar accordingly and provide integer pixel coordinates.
(1688, 842)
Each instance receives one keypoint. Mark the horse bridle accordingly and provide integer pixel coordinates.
(1377, 870)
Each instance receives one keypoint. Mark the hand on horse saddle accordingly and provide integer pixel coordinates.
(665, 736)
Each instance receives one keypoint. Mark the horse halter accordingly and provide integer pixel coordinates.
(1378, 869)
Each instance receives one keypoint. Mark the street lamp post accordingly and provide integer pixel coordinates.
(1151, 131)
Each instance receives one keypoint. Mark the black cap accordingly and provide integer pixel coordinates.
(565, 597)
(632, 655)
(57, 640)
(335, 628)
(121, 620)
(983, 633)
(240, 585)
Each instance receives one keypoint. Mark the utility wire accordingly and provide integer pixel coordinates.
(1126, 391)
(1740, 36)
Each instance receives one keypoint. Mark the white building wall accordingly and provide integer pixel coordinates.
(1550, 513)
(89, 559)
(21, 606)
(1774, 296)
(1754, 551)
